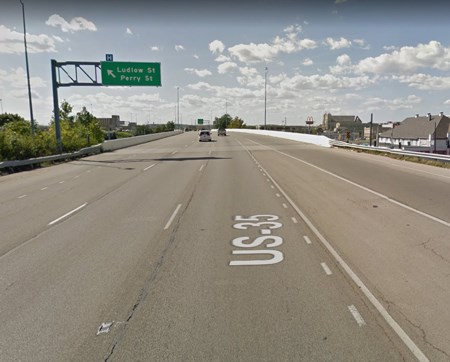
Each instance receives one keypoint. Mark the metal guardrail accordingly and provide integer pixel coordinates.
(64, 156)
(103, 147)
(430, 156)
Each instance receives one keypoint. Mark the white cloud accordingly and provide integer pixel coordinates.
(226, 67)
(265, 52)
(76, 24)
(344, 65)
(250, 77)
(198, 72)
(155, 48)
(338, 43)
(248, 72)
(425, 81)
(11, 42)
(129, 31)
(196, 56)
(399, 103)
(307, 62)
(361, 43)
(222, 58)
(307, 44)
(253, 52)
(408, 59)
(216, 46)
(144, 98)
(179, 48)
(325, 82)
(17, 78)
(232, 94)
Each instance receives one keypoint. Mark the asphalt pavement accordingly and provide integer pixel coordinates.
(246, 248)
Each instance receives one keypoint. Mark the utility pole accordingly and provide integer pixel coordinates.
(371, 125)
(28, 69)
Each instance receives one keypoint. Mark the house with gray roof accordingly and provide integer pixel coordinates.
(429, 133)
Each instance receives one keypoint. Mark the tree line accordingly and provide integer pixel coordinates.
(18, 141)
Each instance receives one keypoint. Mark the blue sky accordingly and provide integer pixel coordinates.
(346, 57)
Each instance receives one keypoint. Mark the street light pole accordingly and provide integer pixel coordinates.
(178, 107)
(265, 97)
(28, 69)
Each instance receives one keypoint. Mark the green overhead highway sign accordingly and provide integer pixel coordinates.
(131, 73)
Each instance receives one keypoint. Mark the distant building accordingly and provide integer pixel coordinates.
(332, 123)
(377, 128)
(109, 124)
(419, 133)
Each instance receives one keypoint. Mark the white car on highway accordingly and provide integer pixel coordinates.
(204, 135)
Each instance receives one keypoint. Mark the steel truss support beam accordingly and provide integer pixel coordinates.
(76, 74)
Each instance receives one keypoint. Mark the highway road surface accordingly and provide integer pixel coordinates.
(247, 248)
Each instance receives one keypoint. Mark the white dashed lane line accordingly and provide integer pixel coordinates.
(67, 214)
(359, 319)
(172, 217)
(149, 167)
(308, 240)
(326, 269)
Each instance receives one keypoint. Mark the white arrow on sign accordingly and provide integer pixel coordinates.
(110, 72)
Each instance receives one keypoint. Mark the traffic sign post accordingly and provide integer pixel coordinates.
(131, 73)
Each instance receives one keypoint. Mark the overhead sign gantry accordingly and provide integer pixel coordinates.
(112, 73)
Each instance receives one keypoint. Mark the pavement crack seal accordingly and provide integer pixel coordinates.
(418, 327)
(425, 339)
(428, 248)
(145, 291)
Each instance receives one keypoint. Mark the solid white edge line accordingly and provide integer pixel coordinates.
(172, 217)
(378, 306)
(387, 198)
(149, 167)
(66, 215)
(358, 317)
(326, 269)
